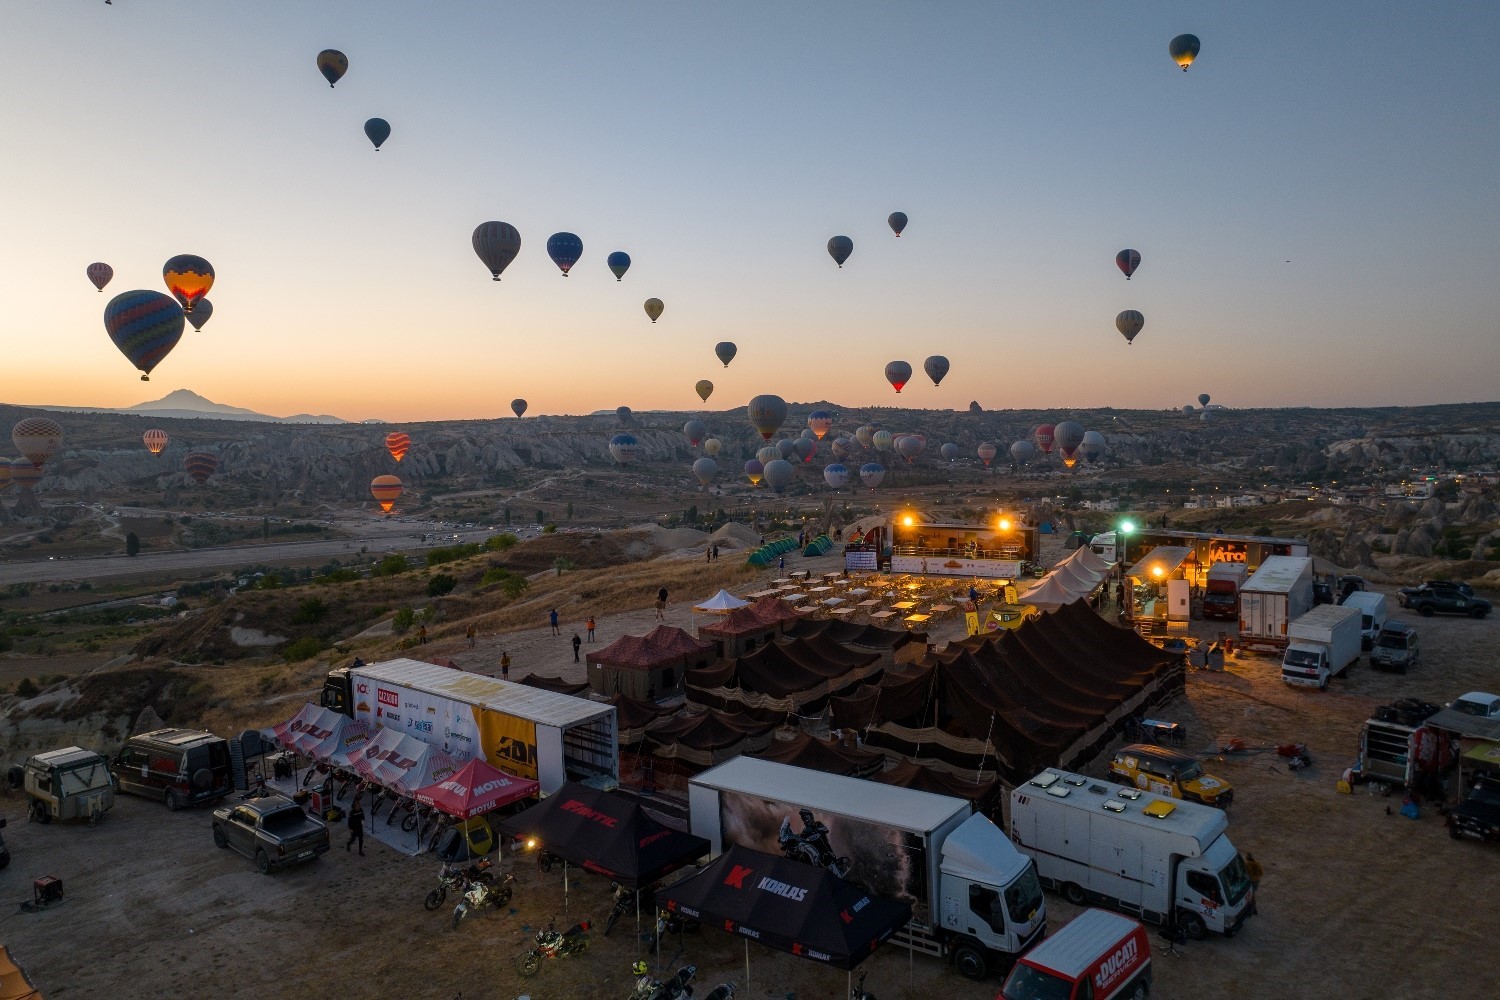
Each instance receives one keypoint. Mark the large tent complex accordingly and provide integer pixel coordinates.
(744, 629)
(896, 645)
(804, 750)
(702, 739)
(984, 794)
(783, 679)
(647, 666)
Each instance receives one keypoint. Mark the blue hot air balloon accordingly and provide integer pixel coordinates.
(839, 248)
(564, 249)
(619, 263)
(871, 474)
(377, 130)
(145, 326)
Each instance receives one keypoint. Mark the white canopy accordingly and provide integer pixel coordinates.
(721, 603)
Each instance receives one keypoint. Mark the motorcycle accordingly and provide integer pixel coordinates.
(455, 878)
(676, 988)
(811, 845)
(724, 991)
(669, 923)
(551, 943)
(857, 991)
(480, 894)
(545, 860)
(625, 903)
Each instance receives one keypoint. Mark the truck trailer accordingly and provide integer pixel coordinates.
(1321, 644)
(522, 730)
(1144, 854)
(1221, 597)
(1279, 593)
(975, 899)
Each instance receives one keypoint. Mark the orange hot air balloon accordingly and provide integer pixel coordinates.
(199, 465)
(386, 490)
(155, 441)
(37, 438)
(5, 474)
(188, 277)
(397, 443)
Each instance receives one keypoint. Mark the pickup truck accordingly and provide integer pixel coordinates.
(1478, 815)
(1443, 595)
(274, 831)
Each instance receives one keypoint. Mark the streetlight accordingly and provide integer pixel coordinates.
(1126, 527)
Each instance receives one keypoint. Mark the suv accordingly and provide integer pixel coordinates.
(177, 766)
(1444, 595)
(1167, 772)
(1395, 648)
(1478, 815)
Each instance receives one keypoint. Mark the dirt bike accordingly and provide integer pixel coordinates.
(811, 846)
(456, 878)
(551, 943)
(676, 988)
(545, 860)
(406, 808)
(481, 894)
(857, 991)
(316, 769)
(724, 991)
(625, 903)
(669, 923)
(345, 781)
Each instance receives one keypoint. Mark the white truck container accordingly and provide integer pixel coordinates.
(1279, 593)
(1321, 644)
(975, 899)
(1372, 614)
(1097, 842)
(522, 730)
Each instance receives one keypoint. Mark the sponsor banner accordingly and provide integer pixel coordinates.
(971, 622)
(867, 559)
(507, 742)
(435, 720)
(995, 569)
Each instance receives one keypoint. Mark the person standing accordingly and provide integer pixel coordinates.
(708, 553)
(715, 551)
(469, 633)
(661, 604)
(1254, 870)
(356, 826)
(552, 617)
(589, 625)
(576, 643)
(505, 664)
(781, 562)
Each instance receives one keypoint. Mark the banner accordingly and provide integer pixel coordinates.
(435, 720)
(861, 560)
(1003, 569)
(508, 743)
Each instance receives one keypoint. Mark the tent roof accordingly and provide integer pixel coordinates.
(531, 703)
(722, 601)
(1165, 557)
(767, 612)
(432, 766)
(389, 755)
(663, 645)
(790, 906)
(474, 789)
(900, 808)
(819, 755)
(1048, 592)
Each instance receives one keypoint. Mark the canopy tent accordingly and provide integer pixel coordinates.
(1160, 563)
(388, 756)
(433, 765)
(1049, 593)
(606, 833)
(787, 905)
(346, 744)
(1089, 559)
(310, 727)
(475, 789)
(647, 666)
(721, 604)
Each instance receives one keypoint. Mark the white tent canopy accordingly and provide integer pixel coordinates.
(721, 603)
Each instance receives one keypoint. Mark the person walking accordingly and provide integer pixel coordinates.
(356, 826)
(552, 617)
(589, 625)
(661, 604)
(505, 664)
(421, 635)
(715, 551)
(576, 643)
(470, 633)
(1254, 870)
(708, 554)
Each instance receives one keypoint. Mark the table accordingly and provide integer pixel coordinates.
(915, 620)
(819, 590)
(882, 616)
(763, 593)
(831, 601)
(807, 609)
(799, 574)
(781, 579)
(904, 605)
(941, 609)
(793, 598)
(869, 604)
(842, 611)
(858, 591)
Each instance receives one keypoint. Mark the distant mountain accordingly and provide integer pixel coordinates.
(186, 404)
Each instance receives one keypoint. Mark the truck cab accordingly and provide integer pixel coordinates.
(985, 900)
(1305, 664)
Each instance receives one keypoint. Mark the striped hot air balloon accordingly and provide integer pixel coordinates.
(200, 465)
(25, 474)
(386, 490)
(145, 326)
(188, 278)
(156, 440)
(37, 438)
(99, 274)
(397, 443)
(4, 474)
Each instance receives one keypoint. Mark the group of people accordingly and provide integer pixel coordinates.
(711, 552)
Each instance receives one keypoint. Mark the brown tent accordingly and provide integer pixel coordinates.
(985, 794)
(647, 666)
(555, 684)
(746, 629)
(818, 755)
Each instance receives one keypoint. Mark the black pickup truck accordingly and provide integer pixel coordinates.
(1478, 815)
(1446, 596)
(274, 831)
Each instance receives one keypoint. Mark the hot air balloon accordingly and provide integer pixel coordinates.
(804, 448)
(705, 469)
(871, 474)
(497, 244)
(809, 433)
(819, 422)
(145, 326)
(564, 249)
(836, 476)
(705, 389)
(1022, 452)
(839, 248)
(986, 452)
(155, 440)
(1203, 399)
(694, 430)
(654, 308)
(5, 474)
(767, 413)
(37, 438)
(25, 474)
(619, 263)
(909, 447)
(1183, 49)
(377, 130)
(1203, 417)
(396, 443)
(1189, 409)
(779, 474)
(624, 448)
(199, 465)
(712, 446)
(950, 451)
(1068, 434)
(1043, 436)
(333, 64)
(188, 277)
(753, 471)
(725, 351)
(202, 313)
(840, 448)
(622, 413)
(1092, 448)
(883, 440)
(898, 373)
(769, 453)
(99, 274)
(386, 490)
(786, 448)
(1129, 324)
(897, 222)
(936, 368)
(865, 435)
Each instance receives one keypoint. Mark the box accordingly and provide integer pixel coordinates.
(46, 890)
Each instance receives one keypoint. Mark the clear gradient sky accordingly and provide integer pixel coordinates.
(721, 145)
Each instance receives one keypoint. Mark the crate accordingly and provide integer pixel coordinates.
(46, 890)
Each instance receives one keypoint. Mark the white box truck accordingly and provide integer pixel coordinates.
(975, 899)
(1279, 593)
(1321, 644)
(1372, 614)
(1144, 854)
(522, 730)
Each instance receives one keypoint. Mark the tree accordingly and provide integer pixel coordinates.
(310, 612)
(514, 586)
(570, 510)
(540, 517)
(265, 528)
(500, 542)
(441, 584)
(507, 515)
(132, 544)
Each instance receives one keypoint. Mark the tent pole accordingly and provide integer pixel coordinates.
(911, 966)
(565, 886)
(638, 923)
(747, 965)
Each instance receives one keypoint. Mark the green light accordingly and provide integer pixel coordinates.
(1126, 527)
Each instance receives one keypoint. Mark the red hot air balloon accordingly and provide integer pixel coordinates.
(397, 443)
(1127, 261)
(1043, 437)
(156, 440)
(386, 490)
(99, 274)
(25, 473)
(200, 465)
(898, 373)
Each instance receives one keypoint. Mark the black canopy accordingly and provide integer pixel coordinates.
(787, 905)
(605, 833)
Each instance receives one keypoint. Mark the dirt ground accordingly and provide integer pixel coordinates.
(1356, 902)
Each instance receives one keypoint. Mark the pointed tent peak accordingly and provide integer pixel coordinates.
(721, 602)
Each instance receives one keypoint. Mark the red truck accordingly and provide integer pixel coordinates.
(1221, 595)
(1097, 955)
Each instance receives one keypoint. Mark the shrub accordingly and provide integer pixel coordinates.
(26, 689)
(495, 574)
(390, 566)
(500, 542)
(514, 586)
(550, 529)
(437, 557)
(440, 585)
(132, 544)
(310, 612)
(402, 622)
(304, 648)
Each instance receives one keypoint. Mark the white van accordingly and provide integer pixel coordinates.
(1372, 614)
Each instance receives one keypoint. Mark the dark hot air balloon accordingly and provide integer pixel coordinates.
(754, 469)
(839, 248)
(188, 277)
(333, 64)
(1092, 448)
(377, 130)
(654, 309)
(622, 414)
(1184, 49)
(767, 413)
(564, 249)
(199, 465)
(704, 388)
(779, 474)
(156, 440)
(1129, 324)
(619, 263)
(397, 443)
(386, 490)
(1203, 399)
(99, 274)
(1127, 261)
(986, 452)
(1022, 452)
(804, 448)
(897, 222)
(694, 430)
(725, 352)
(202, 313)
(497, 244)
(518, 407)
(145, 326)
(840, 448)
(898, 373)
(936, 368)
(949, 451)
(37, 438)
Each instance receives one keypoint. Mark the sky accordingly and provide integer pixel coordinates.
(1315, 201)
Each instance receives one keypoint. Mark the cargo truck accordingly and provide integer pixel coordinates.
(1372, 614)
(1321, 644)
(1279, 593)
(1221, 597)
(1144, 854)
(1389, 744)
(522, 730)
(975, 899)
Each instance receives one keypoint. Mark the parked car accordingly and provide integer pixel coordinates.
(1478, 815)
(71, 783)
(1168, 772)
(274, 831)
(1444, 595)
(1486, 706)
(180, 767)
(4, 851)
(1396, 647)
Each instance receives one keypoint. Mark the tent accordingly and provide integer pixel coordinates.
(14, 983)
(312, 725)
(432, 766)
(647, 666)
(818, 546)
(557, 685)
(721, 604)
(804, 750)
(744, 629)
(789, 906)
(345, 745)
(606, 833)
(1049, 593)
(475, 789)
(388, 756)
